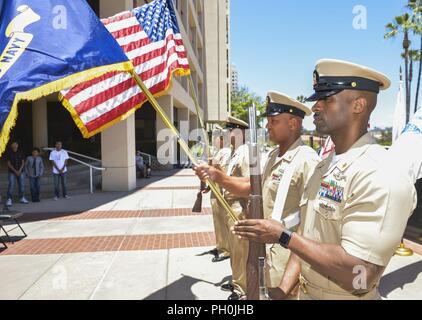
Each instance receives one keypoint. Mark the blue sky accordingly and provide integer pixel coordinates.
(275, 44)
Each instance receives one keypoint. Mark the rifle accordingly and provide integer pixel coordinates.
(197, 207)
(257, 253)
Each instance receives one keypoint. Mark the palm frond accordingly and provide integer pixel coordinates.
(391, 34)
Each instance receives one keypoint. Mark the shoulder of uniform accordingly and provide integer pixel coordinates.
(393, 181)
(375, 166)
(376, 152)
(309, 154)
(373, 157)
(224, 151)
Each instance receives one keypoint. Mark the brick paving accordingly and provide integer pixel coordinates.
(171, 188)
(114, 214)
(110, 243)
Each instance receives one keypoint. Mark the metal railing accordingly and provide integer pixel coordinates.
(91, 167)
(150, 157)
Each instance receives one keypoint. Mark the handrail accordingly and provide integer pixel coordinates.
(91, 167)
(149, 157)
(87, 164)
(76, 154)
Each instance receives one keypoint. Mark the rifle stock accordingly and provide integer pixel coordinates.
(197, 207)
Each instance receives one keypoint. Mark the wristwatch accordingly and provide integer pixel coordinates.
(285, 238)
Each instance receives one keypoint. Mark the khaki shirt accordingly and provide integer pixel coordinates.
(221, 160)
(358, 205)
(274, 169)
(239, 167)
(273, 174)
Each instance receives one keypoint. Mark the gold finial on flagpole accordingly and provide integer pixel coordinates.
(403, 251)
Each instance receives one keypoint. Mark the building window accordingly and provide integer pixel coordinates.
(228, 98)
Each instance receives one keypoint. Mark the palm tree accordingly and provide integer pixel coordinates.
(403, 25)
(416, 7)
(301, 98)
(414, 56)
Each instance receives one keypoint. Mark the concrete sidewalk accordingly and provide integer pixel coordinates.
(146, 244)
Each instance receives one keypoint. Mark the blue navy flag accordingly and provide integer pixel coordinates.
(47, 46)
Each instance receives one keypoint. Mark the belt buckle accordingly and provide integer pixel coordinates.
(302, 285)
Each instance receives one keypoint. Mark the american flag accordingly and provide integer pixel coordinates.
(328, 148)
(151, 38)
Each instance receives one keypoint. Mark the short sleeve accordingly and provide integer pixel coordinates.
(305, 170)
(51, 156)
(66, 155)
(245, 163)
(375, 216)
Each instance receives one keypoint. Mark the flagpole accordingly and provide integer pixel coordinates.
(198, 112)
(197, 207)
(398, 126)
(181, 142)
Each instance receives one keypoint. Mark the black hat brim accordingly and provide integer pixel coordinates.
(320, 95)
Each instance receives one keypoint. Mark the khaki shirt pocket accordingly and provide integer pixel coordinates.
(273, 187)
(328, 209)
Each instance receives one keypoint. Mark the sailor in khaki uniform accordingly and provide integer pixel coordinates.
(220, 160)
(238, 166)
(287, 169)
(285, 174)
(355, 207)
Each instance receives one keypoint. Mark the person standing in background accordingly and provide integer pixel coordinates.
(58, 158)
(34, 169)
(15, 163)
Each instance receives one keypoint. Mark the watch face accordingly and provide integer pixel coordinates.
(285, 239)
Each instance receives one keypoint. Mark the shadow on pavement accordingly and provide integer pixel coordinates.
(182, 289)
(399, 278)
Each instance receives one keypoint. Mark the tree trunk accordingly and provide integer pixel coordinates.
(410, 83)
(406, 74)
(418, 86)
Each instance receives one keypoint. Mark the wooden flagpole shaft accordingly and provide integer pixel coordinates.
(181, 142)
